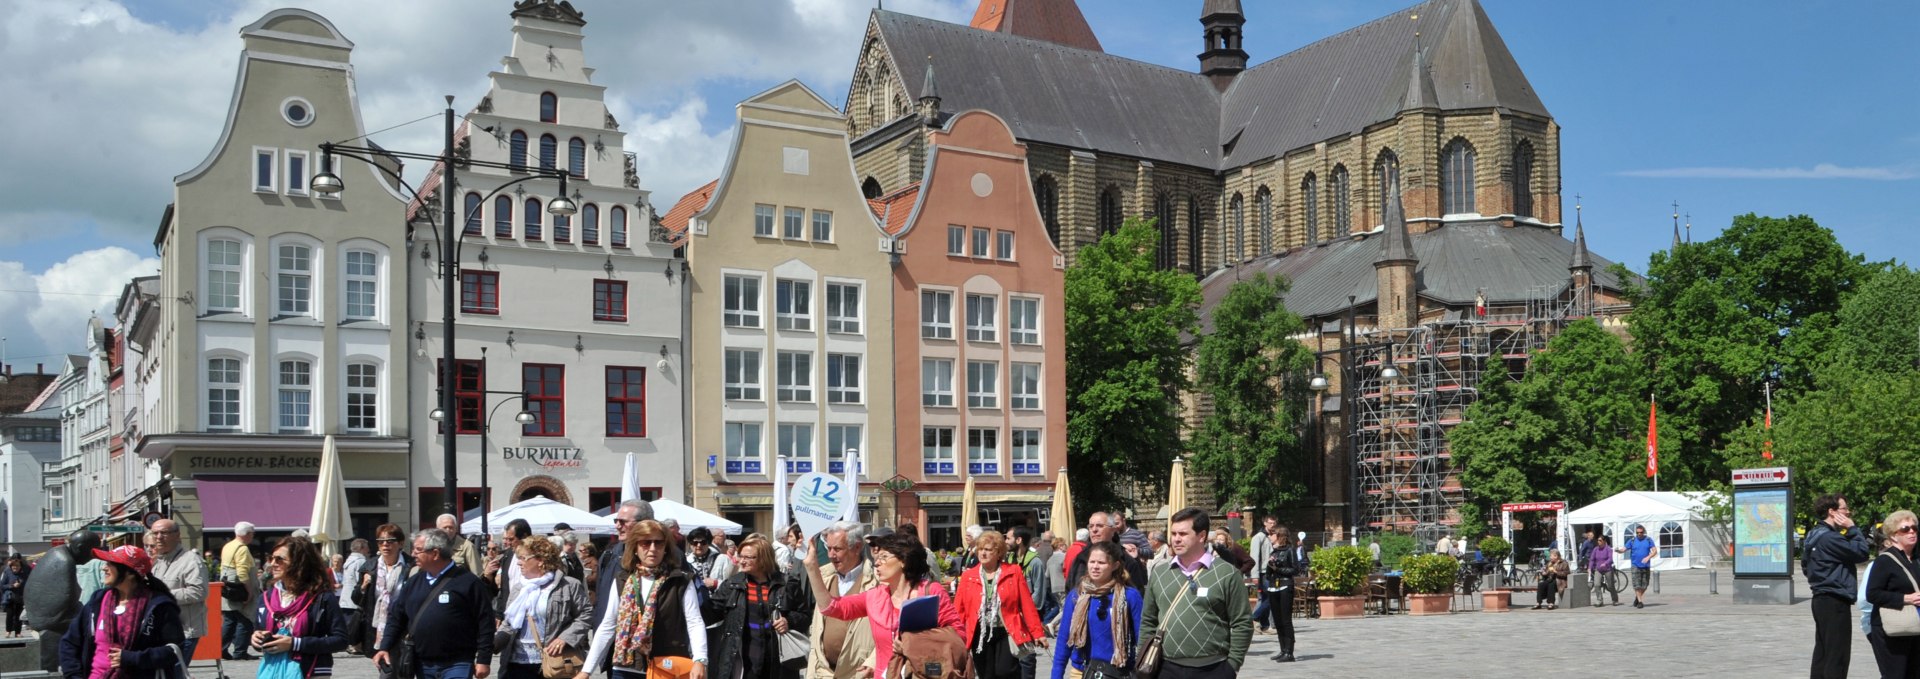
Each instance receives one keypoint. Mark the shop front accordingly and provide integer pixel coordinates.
(216, 482)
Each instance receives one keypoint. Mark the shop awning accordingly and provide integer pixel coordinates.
(271, 503)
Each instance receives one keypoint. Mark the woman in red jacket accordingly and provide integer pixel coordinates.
(997, 611)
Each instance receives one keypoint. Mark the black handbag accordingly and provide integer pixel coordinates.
(404, 663)
(232, 589)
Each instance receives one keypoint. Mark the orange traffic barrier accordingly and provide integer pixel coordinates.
(209, 648)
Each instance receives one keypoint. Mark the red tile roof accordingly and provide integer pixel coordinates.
(894, 208)
(1056, 21)
(676, 219)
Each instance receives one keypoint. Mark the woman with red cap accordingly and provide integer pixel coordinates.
(298, 624)
(130, 629)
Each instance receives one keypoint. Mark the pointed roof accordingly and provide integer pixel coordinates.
(928, 90)
(1420, 92)
(1581, 259)
(1396, 245)
(1055, 21)
(1213, 7)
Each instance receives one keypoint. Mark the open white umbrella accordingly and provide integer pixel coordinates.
(541, 514)
(630, 479)
(330, 521)
(690, 518)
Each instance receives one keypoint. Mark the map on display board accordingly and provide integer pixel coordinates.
(1762, 528)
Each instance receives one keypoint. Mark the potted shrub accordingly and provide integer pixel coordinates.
(1429, 580)
(1339, 573)
(1495, 599)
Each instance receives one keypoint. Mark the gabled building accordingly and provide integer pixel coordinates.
(581, 314)
(281, 318)
(134, 481)
(979, 349)
(29, 444)
(791, 310)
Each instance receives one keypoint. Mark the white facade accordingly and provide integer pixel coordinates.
(29, 442)
(133, 395)
(582, 313)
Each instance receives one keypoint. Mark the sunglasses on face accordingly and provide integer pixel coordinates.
(1904, 529)
(622, 522)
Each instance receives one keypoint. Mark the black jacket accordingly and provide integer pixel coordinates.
(449, 632)
(156, 642)
(729, 606)
(1283, 565)
(1828, 558)
(326, 630)
(1888, 587)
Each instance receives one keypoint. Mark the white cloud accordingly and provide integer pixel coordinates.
(1820, 171)
(56, 303)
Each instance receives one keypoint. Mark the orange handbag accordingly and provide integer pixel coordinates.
(669, 667)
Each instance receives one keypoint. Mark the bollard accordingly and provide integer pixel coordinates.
(1713, 581)
(1656, 582)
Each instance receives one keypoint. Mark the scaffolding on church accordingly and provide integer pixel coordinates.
(1407, 480)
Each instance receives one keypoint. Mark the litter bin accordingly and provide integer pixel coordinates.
(1577, 591)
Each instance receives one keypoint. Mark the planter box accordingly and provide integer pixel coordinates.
(1429, 604)
(1496, 600)
(1342, 607)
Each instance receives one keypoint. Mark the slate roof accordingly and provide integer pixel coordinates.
(1512, 264)
(1092, 100)
(1055, 21)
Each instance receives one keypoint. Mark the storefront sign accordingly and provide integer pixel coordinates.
(200, 463)
(545, 457)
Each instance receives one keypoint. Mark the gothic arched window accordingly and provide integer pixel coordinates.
(1166, 256)
(1047, 196)
(1456, 178)
(1342, 203)
(1386, 175)
(1263, 211)
(1310, 202)
(1109, 215)
(1237, 220)
(1523, 179)
(1195, 238)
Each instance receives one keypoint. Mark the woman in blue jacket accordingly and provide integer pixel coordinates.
(129, 629)
(1100, 623)
(298, 622)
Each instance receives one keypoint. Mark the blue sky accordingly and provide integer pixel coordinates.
(1771, 107)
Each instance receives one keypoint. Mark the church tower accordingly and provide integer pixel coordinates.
(1223, 59)
(1580, 270)
(1393, 269)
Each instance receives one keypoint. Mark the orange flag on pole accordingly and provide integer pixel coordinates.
(1653, 441)
(1767, 451)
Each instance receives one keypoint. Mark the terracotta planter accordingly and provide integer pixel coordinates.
(1429, 604)
(1341, 607)
(1496, 600)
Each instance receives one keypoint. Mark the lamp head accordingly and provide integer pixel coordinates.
(525, 417)
(1318, 383)
(1389, 373)
(327, 184)
(438, 415)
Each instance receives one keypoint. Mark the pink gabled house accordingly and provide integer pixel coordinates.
(980, 346)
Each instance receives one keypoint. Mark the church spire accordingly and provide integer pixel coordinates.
(1420, 92)
(1676, 225)
(929, 98)
(1582, 261)
(1223, 59)
(1396, 244)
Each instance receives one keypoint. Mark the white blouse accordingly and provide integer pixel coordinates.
(602, 645)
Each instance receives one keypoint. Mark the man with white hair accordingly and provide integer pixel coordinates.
(236, 620)
(464, 552)
(185, 576)
(840, 648)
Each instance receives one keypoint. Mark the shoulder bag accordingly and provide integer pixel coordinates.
(1147, 664)
(1904, 622)
(404, 663)
(562, 666)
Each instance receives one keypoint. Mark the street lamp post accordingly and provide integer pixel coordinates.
(328, 183)
(525, 416)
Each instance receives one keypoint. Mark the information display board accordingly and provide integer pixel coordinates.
(1762, 531)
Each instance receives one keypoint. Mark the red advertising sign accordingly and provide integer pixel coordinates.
(1762, 476)
(1533, 506)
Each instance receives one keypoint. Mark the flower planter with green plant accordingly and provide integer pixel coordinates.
(1429, 579)
(1495, 550)
(1339, 573)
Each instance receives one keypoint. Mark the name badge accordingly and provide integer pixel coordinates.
(1201, 593)
(444, 599)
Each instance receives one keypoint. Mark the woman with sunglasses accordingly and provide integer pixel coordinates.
(377, 586)
(1890, 589)
(547, 615)
(653, 627)
(298, 625)
(901, 563)
(130, 628)
(754, 607)
(1102, 619)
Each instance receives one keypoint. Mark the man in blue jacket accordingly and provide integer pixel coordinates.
(1832, 549)
(453, 638)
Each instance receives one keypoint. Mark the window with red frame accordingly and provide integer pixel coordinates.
(606, 499)
(626, 401)
(480, 292)
(545, 387)
(609, 300)
(433, 502)
(469, 388)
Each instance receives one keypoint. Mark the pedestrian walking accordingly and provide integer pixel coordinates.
(996, 607)
(609, 566)
(1600, 565)
(130, 627)
(838, 649)
(902, 565)
(1828, 557)
(503, 570)
(378, 586)
(1640, 551)
(547, 616)
(185, 576)
(1101, 629)
(1285, 560)
(357, 552)
(464, 552)
(12, 581)
(1101, 527)
(707, 562)
(238, 575)
(654, 625)
(755, 607)
(299, 625)
(443, 609)
(1553, 579)
(1891, 589)
(1200, 605)
(1261, 548)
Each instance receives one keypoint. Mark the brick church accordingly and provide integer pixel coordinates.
(1403, 174)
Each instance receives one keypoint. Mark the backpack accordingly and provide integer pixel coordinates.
(925, 650)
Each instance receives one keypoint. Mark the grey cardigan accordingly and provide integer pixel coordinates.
(572, 604)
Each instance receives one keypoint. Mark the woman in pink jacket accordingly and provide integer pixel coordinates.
(995, 605)
(901, 563)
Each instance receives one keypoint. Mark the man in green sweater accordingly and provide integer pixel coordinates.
(1201, 603)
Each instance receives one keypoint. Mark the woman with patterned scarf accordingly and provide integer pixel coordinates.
(129, 629)
(547, 615)
(1102, 623)
(298, 626)
(655, 629)
(378, 589)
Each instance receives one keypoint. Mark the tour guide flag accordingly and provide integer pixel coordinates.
(816, 500)
(1653, 441)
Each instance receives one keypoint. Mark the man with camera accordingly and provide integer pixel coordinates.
(1284, 561)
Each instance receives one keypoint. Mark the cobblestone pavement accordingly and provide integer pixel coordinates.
(1683, 632)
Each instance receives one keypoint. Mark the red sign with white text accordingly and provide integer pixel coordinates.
(1533, 506)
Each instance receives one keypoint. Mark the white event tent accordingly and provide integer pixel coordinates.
(1677, 522)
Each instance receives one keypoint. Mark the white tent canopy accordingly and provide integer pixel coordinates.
(1676, 521)
(690, 518)
(541, 514)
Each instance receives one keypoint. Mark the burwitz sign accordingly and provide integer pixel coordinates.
(545, 457)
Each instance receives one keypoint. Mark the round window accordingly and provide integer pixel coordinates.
(297, 111)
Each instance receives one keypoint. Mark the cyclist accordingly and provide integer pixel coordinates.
(1600, 564)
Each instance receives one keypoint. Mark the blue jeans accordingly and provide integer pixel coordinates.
(454, 670)
(1260, 611)
(187, 646)
(236, 632)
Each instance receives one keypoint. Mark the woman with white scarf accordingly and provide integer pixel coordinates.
(377, 586)
(547, 614)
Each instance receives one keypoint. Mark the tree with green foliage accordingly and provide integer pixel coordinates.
(1253, 375)
(1126, 366)
(1572, 428)
(1716, 320)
